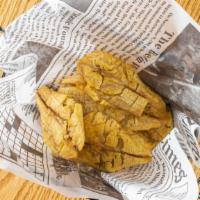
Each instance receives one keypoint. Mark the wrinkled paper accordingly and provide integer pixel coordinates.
(43, 45)
(18, 85)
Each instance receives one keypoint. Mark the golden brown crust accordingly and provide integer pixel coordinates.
(109, 161)
(103, 115)
(98, 65)
(61, 122)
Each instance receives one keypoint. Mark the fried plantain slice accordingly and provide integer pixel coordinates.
(142, 123)
(100, 87)
(74, 80)
(95, 67)
(128, 121)
(160, 133)
(62, 122)
(106, 132)
(108, 161)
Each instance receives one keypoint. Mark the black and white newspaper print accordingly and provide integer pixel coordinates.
(43, 45)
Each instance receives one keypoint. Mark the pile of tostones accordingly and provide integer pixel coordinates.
(103, 115)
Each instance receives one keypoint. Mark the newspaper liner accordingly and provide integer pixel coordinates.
(145, 33)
